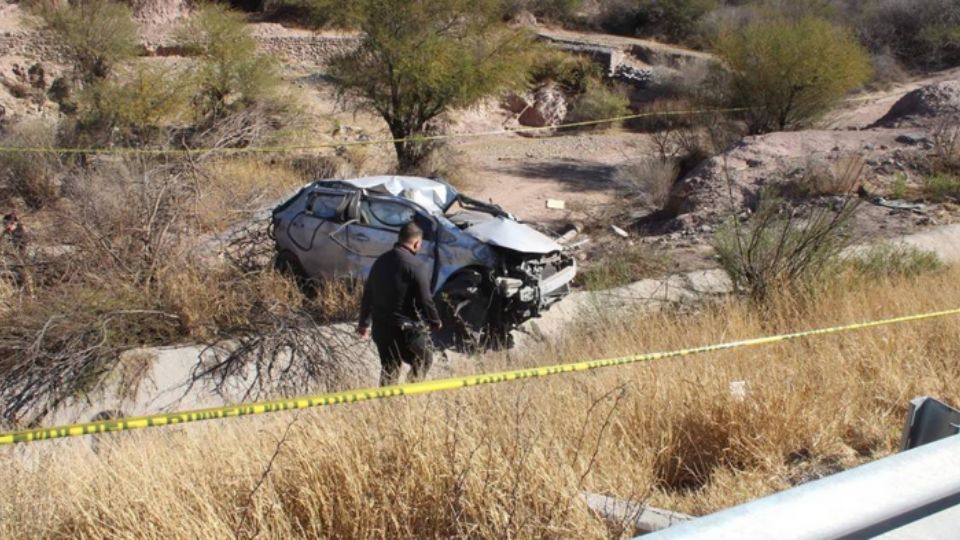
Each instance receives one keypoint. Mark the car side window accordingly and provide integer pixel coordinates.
(393, 215)
(386, 214)
(325, 206)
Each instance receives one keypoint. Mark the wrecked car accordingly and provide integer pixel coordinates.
(490, 272)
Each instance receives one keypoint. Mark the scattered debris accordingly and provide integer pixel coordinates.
(738, 389)
(619, 232)
(556, 204)
(899, 204)
(568, 236)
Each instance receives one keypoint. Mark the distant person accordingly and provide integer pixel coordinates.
(397, 301)
(14, 232)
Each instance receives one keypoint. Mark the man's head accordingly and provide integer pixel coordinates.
(411, 236)
(10, 222)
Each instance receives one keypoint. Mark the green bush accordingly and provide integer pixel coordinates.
(941, 187)
(788, 73)
(311, 13)
(230, 75)
(919, 33)
(616, 268)
(133, 107)
(599, 101)
(95, 34)
(779, 248)
(571, 71)
(553, 10)
(896, 260)
(677, 21)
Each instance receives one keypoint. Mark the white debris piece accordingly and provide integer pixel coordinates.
(738, 389)
(619, 232)
(556, 204)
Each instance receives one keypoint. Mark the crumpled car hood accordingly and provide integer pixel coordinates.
(434, 196)
(509, 234)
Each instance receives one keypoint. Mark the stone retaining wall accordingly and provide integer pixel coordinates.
(30, 45)
(311, 50)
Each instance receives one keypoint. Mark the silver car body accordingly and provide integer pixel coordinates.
(337, 228)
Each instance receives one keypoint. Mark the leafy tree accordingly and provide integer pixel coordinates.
(419, 58)
(312, 13)
(230, 73)
(95, 34)
(787, 73)
(132, 107)
(919, 33)
(675, 20)
(554, 10)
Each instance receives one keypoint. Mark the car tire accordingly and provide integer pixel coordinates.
(287, 264)
(463, 303)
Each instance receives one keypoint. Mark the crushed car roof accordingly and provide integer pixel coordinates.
(436, 197)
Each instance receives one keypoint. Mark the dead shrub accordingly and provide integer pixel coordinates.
(136, 274)
(445, 162)
(32, 176)
(231, 190)
(821, 178)
(784, 248)
(697, 444)
(648, 182)
(62, 343)
(945, 158)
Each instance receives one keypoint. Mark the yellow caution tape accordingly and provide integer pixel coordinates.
(300, 148)
(410, 389)
(418, 138)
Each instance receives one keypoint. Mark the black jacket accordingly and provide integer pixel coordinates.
(398, 291)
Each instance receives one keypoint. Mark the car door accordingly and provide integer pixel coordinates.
(379, 221)
(310, 232)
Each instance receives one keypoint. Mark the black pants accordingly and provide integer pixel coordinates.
(397, 345)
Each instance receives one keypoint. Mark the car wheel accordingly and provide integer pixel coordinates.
(287, 263)
(464, 303)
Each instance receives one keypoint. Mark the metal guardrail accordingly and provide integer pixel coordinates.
(913, 494)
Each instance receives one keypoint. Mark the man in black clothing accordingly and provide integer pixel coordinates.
(13, 227)
(397, 300)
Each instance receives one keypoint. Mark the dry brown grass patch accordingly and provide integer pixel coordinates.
(511, 460)
(230, 190)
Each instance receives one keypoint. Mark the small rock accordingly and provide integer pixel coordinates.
(912, 138)
(515, 103)
(549, 108)
(869, 147)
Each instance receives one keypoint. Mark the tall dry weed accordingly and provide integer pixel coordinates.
(511, 460)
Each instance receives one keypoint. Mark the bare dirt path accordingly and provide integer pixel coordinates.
(522, 173)
(867, 107)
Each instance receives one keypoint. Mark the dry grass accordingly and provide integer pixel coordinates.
(230, 190)
(509, 460)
